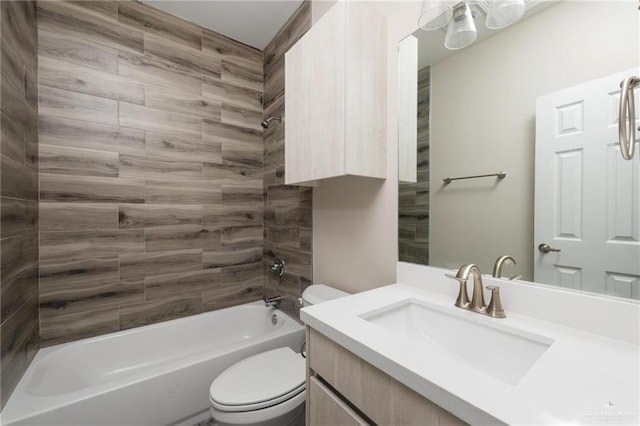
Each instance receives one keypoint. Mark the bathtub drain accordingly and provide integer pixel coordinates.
(274, 319)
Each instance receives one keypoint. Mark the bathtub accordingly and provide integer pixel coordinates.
(153, 375)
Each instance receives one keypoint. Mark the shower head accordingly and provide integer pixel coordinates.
(266, 123)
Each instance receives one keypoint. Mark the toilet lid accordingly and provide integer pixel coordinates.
(259, 381)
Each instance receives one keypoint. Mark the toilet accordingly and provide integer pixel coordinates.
(266, 389)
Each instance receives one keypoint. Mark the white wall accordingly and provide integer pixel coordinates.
(355, 220)
(483, 121)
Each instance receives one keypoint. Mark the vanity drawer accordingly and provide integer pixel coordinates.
(377, 395)
(327, 409)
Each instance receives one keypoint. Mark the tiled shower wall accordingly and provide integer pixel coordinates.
(151, 169)
(19, 191)
(413, 220)
(287, 209)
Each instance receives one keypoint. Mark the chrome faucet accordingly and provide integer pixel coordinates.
(272, 301)
(477, 304)
(500, 262)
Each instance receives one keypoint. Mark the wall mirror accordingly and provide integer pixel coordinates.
(538, 101)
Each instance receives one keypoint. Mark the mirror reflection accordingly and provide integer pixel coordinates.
(536, 101)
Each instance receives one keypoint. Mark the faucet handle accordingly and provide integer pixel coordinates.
(495, 309)
(463, 297)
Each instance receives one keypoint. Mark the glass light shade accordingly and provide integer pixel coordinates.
(436, 13)
(462, 30)
(503, 13)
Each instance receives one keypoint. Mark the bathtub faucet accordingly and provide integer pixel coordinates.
(272, 301)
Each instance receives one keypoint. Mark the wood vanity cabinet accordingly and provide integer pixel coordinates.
(336, 97)
(343, 389)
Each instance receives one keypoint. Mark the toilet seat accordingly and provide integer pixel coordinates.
(260, 381)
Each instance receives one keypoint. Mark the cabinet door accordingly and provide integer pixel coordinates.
(315, 100)
(327, 409)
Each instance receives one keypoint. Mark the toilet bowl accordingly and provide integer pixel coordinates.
(266, 389)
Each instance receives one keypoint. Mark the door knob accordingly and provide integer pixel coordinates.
(546, 248)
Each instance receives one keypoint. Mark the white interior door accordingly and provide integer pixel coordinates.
(587, 198)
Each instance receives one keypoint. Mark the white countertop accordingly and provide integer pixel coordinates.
(582, 378)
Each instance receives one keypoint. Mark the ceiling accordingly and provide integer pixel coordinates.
(253, 22)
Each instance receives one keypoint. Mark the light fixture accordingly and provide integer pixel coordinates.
(461, 31)
(503, 13)
(457, 16)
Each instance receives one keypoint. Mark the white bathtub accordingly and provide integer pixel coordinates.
(154, 375)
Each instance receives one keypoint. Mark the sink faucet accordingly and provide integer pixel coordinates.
(477, 304)
(500, 262)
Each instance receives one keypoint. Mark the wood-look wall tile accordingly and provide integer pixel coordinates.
(77, 78)
(61, 17)
(231, 215)
(19, 344)
(84, 134)
(75, 161)
(184, 148)
(67, 245)
(232, 51)
(295, 27)
(242, 235)
(17, 289)
(19, 253)
(238, 195)
(95, 322)
(74, 273)
(67, 104)
(13, 140)
(231, 256)
(73, 50)
(135, 266)
(159, 310)
(190, 61)
(283, 196)
(233, 176)
(145, 215)
(292, 216)
(90, 189)
(157, 120)
(78, 216)
(242, 76)
(154, 21)
(104, 8)
(241, 117)
(181, 237)
(306, 239)
(185, 103)
(182, 192)
(284, 236)
(153, 70)
(239, 275)
(242, 146)
(145, 167)
(185, 284)
(64, 297)
(288, 283)
(13, 92)
(19, 31)
(224, 297)
(274, 83)
(17, 216)
(232, 94)
(298, 262)
(17, 180)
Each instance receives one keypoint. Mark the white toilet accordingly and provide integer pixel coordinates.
(266, 389)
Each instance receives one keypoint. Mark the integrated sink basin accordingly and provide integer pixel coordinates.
(494, 348)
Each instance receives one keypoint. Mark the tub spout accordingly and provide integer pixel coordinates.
(272, 301)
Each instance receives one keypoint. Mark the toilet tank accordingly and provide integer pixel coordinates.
(319, 293)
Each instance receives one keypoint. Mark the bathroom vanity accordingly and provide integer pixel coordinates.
(403, 354)
(344, 389)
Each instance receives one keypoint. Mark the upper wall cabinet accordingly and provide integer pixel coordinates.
(335, 97)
